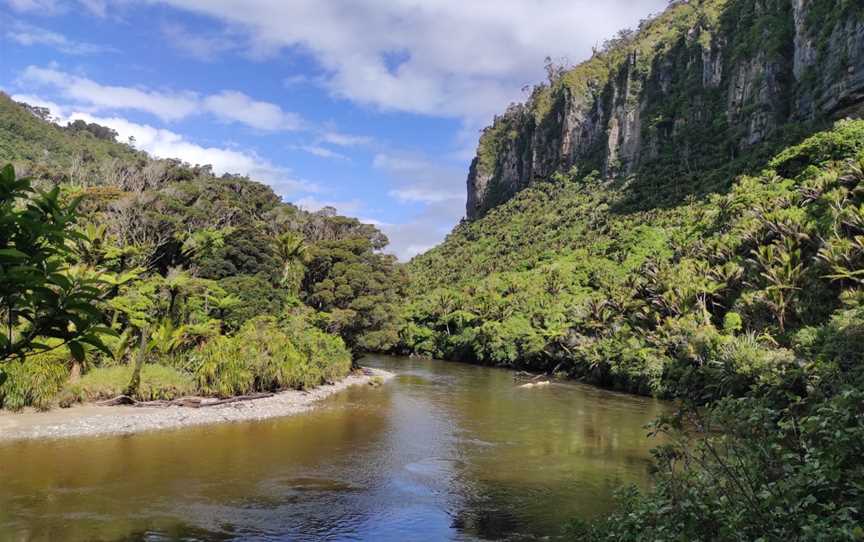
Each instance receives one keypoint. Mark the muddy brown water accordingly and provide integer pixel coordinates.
(444, 451)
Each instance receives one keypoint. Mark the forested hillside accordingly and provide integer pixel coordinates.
(202, 284)
(573, 280)
(683, 216)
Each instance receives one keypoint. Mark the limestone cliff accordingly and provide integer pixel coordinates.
(694, 88)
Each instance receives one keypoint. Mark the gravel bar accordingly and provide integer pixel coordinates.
(93, 420)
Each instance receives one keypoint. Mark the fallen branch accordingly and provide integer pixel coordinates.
(189, 402)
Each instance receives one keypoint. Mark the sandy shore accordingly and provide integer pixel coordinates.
(92, 420)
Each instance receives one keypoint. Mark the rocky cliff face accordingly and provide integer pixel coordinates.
(696, 87)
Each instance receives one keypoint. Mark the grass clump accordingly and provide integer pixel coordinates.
(36, 382)
(157, 382)
(264, 356)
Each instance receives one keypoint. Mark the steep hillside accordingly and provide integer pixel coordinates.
(75, 153)
(560, 278)
(201, 271)
(705, 89)
(682, 216)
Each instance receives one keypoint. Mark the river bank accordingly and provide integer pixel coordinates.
(94, 420)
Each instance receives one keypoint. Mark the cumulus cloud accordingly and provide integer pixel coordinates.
(442, 58)
(437, 188)
(166, 106)
(27, 34)
(58, 112)
(321, 152)
(198, 46)
(423, 231)
(238, 107)
(228, 105)
(417, 179)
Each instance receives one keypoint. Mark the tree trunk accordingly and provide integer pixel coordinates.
(75, 373)
(135, 381)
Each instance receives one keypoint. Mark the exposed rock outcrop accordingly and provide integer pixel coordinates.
(697, 86)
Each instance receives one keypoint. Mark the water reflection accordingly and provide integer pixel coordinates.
(446, 451)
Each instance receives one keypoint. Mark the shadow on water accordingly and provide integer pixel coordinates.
(444, 451)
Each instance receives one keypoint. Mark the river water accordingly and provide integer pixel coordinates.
(444, 451)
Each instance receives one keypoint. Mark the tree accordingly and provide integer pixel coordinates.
(782, 270)
(358, 289)
(290, 249)
(39, 296)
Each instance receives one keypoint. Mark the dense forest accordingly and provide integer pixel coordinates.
(710, 252)
(156, 279)
(746, 306)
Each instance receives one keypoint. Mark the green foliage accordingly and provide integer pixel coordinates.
(264, 356)
(357, 289)
(752, 469)
(250, 296)
(562, 278)
(40, 294)
(157, 382)
(165, 262)
(744, 305)
(46, 150)
(36, 381)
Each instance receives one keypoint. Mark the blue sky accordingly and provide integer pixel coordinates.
(371, 106)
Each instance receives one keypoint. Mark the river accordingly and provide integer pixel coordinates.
(444, 451)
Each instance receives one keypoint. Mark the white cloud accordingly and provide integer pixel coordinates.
(345, 140)
(235, 106)
(420, 180)
(27, 34)
(425, 195)
(48, 7)
(346, 208)
(438, 189)
(441, 58)
(198, 46)
(321, 152)
(57, 111)
(423, 231)
(227, 106)
(167, 144)
(166, 106)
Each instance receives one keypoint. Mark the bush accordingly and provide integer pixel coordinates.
(774, 473)
(257, 297)
(158, 382)
(264, 356)
(35, 381)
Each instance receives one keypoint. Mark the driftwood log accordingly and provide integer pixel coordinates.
(190, 402)
(524, 375)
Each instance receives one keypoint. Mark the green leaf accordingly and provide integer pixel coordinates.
(77, 351)
(96, 343)
(104, 330)
(12, 254)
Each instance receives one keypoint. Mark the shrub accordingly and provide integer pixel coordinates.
(157, 382)
(264, 356)
(774, 473)
(36, 381)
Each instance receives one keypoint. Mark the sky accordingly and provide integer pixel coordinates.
(373, 107)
